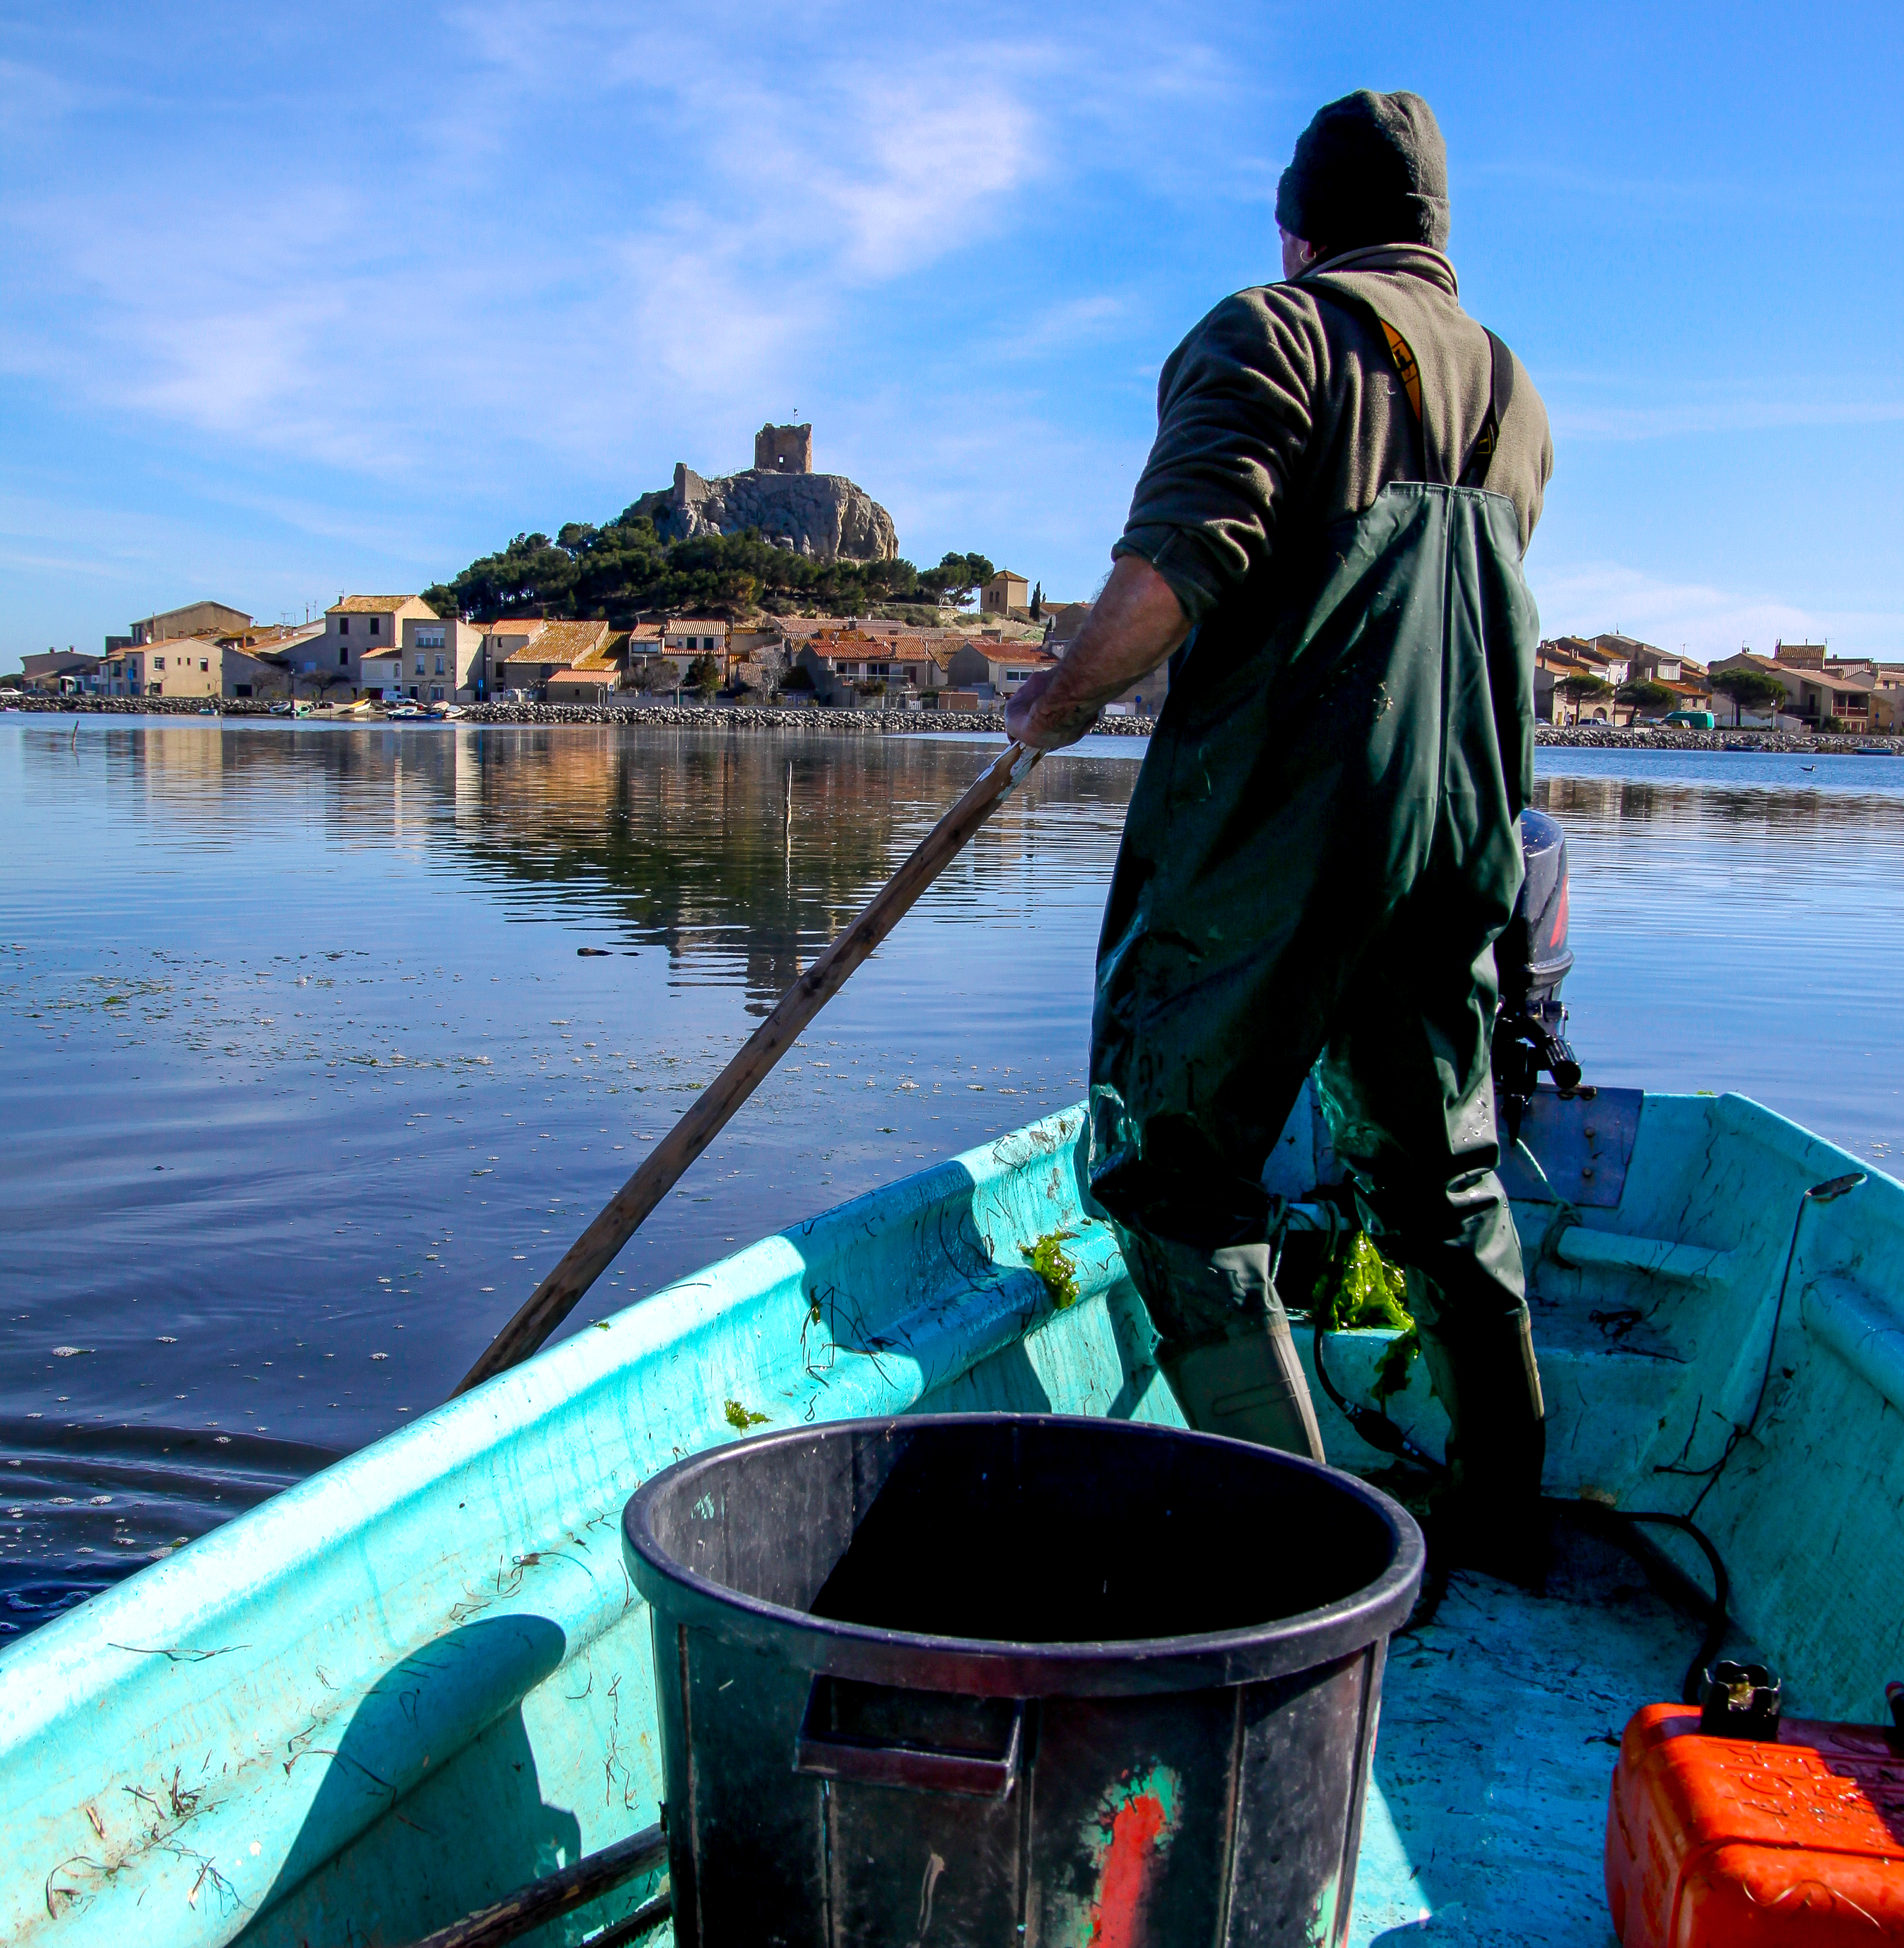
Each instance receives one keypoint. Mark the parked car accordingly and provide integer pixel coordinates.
(1691, 720)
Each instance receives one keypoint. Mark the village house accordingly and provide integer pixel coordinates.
(276, 660)
(1645, 663)
(242, 660)
(355, 626)
(993, 669)
(593, 675)
(67, 672)
(1818, 691)
(195, 618)
(646, 666)
(1062, 622)
(756, 660)
(1006, 591)
(1613, 660)
(500, 641)
(692, 636)
(850, 666)
(433, 661)
(168, 666)
(1886, 681)
(554, 651)
(255, 673)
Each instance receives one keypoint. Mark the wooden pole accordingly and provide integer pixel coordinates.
(560, 1893)
(593, 1251)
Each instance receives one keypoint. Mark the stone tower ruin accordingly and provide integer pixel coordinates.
(784, 449)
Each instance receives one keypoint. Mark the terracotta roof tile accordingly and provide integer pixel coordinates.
(606, 654)
(562, 643)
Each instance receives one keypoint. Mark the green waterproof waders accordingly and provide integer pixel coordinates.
(1319, 853)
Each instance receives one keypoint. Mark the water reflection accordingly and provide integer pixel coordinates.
(1780, 807)
(744, 853)
(307, 1083)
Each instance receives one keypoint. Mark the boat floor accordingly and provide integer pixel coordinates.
(1501, 1721)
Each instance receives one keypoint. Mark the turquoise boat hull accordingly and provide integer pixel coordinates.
(422, 1678)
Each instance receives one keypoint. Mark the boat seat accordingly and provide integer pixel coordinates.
(1656, 1257)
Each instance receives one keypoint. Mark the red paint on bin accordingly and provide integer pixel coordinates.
(1117, 1916)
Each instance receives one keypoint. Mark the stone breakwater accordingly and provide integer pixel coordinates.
(748, 717)
(678, 717)
(1603, 737)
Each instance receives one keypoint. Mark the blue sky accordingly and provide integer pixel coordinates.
(301, 300)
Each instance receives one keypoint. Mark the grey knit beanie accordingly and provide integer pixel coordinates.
(1370, 168)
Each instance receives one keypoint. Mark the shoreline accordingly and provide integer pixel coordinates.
(678, 717)
(761, 717)
(1599, 737)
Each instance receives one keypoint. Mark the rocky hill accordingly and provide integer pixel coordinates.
(823, 517)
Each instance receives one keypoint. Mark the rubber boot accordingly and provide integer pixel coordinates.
(1490, 1516)
(1248, 1385)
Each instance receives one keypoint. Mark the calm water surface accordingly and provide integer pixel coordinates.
(304, 1085)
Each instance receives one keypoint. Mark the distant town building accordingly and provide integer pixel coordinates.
(61, 673)
(784, 449)
(167, 666)
(995, 669)
(435, 660)
(696, 636)
(852, 666)
(500, 641)
(593, 675)
(1063, 620)
(194, 619)
(1818, 688)
(1566, 667)
(1003, 594)
(355, 626)
(559, 649)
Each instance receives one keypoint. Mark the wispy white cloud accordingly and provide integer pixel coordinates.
(327, 294)
(1742, 414)
(1067, 325)
(1590, 598)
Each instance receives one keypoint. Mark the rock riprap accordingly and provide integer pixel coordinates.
(824, 517)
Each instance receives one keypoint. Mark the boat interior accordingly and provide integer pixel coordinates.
(420, 1680)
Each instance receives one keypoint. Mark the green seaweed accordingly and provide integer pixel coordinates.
(738, 1416)
(1056, 1266)
(1359, 1289)
(1392, 1374)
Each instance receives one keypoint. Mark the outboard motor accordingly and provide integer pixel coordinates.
(1531, 958)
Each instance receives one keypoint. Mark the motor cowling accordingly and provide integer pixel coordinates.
(1531, 958)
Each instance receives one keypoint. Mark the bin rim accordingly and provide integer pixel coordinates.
(985, 1666)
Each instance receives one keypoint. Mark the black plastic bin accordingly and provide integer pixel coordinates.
(996, 1679)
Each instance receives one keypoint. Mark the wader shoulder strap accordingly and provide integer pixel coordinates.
(1481, 455)
(1500, 393)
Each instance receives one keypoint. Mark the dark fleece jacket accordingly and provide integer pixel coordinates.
(1282, 411)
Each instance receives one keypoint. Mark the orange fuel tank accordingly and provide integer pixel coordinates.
(1734, 1843)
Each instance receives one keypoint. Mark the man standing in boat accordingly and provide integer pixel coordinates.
(1322, 847)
